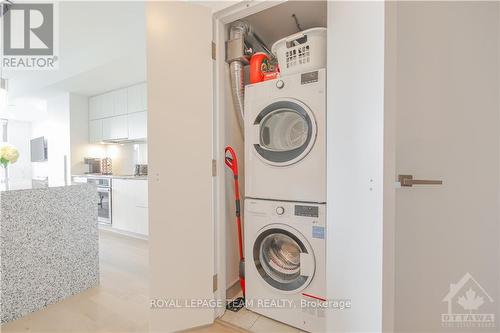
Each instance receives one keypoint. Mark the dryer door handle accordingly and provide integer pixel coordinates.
(256, 134)
(306, 264)
(261, 137)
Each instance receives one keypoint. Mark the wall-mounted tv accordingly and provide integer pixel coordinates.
(39, 149)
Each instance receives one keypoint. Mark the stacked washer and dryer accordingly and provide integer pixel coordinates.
(285, 186)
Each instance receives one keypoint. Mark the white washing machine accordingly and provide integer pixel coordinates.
(285, 262)
(285, 138)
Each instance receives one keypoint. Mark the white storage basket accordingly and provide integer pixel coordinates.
(301, 52)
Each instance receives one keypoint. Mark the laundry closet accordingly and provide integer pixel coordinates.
(272, 96)
(199, 83)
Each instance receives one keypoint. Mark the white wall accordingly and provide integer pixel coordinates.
(58, 138)
(389, 166)
(355, 164)
(79, 130)
(234, 138)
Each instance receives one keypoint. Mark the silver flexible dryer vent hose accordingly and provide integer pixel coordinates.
(238, 29)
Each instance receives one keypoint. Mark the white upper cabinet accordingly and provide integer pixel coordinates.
(95, 131)
(119, 98)
(137, 98)
(106, 103)
(115, 128)
(138, 126)
(101, 106)
(122, 115)
(94, 107)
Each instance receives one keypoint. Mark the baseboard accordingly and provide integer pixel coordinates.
(123, 232)
(233, 289)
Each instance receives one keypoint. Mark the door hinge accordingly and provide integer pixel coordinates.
(214, 51)
(214, 168)
(215, 282)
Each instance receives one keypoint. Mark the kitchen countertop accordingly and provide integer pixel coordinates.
(49, 246)
(21, 185)
(113, 176)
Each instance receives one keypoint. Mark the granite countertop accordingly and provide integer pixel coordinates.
(49, 246)
(19, 185)
(113, 176)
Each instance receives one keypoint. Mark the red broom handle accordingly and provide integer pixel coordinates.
(232, 163)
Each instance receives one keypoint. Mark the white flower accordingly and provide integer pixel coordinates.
(8, 154)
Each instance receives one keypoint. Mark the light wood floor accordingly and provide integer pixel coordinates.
(119, 305)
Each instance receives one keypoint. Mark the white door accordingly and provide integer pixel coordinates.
(181, 233)
(447, 128)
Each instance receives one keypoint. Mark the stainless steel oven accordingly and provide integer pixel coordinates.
(104, 205)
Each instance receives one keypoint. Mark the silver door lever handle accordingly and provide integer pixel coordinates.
(408, 181)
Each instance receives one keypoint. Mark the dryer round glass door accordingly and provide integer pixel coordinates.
(284, 132)
(283, 258)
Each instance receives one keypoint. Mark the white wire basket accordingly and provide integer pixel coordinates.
(301, 52)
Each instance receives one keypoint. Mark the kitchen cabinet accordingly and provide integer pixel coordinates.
(95, 131)
(137, 98)
(138, 125)
(108, 105)
(119, 100)
(115, 128)
(122, 114)
(94, 107)
(100, 106)
(130, 205)
(107, 108)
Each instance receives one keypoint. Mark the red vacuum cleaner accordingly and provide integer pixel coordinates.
(232, 163)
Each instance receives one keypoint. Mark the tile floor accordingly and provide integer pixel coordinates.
(251, 321)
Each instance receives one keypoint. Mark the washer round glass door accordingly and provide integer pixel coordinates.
(283, 258)
(285, 132)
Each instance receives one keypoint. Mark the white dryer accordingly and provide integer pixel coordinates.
(285, 262)
(285, 138)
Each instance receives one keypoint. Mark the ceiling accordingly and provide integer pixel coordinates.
(102, 46)
(310, 14)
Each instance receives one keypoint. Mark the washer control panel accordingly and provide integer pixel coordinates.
(306, 211)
